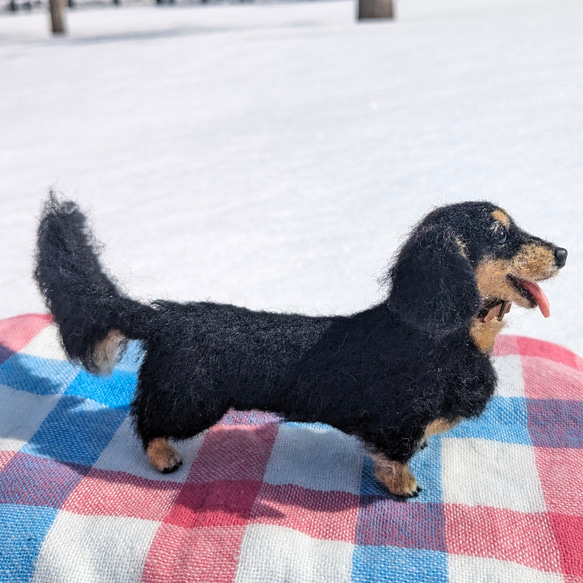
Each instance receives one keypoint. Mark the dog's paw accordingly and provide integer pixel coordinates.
(397, 478)
(162, 456)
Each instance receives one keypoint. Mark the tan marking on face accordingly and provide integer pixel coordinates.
(491, 277)
(533, 263)
(107, 351)
(440, 426)
(162, 455)
(395, 476)
(502, 217)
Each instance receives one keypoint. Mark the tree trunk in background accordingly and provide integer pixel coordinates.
(375, 9)
(56, 9)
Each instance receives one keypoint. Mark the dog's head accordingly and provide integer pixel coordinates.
(467, 263)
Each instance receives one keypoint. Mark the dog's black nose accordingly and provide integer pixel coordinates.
(560, 256)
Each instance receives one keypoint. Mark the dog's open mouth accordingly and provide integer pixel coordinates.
(532, 293)
(494, 308)
(497, 308)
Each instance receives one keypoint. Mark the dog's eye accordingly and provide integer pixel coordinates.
(499, 233)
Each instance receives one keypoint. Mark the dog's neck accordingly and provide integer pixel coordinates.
(488, 324)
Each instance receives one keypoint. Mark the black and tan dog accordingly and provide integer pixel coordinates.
(407, 368)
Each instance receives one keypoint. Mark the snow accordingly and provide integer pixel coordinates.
(274, 155)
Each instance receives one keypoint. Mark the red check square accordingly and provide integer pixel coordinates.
(540, 348)
(198, 555)
(234, 453)
(507, 535)
(322, 515)
(5, 457)
(505, 345)
(218, 503)
(545, 379)
(569, 534)
(48, 482)
(107, 493)
(561, 475)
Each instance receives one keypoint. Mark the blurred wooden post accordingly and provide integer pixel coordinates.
(375, 9)
(56, 9)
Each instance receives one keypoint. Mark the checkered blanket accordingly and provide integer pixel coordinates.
(258, 500)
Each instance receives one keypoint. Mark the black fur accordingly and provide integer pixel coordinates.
(83, 300)
(383, 374)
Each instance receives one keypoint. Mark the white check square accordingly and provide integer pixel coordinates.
(480, 472)
(279, 555)
(21, 414)
(463, 569)
(46, 344)
(510, 379)
(317, 457)
(96, 549)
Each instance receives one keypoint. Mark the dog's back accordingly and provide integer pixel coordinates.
(246, 350)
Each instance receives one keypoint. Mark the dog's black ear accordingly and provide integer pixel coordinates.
(433, 283)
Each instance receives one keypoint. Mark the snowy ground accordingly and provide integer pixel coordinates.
(275, 155)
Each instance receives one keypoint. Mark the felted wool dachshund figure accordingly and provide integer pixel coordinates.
(412, 366)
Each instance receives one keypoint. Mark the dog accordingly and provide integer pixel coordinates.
(412, 366)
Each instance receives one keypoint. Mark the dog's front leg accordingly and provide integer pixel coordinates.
(397, 477)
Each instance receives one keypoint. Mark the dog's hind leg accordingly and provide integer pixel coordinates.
(156, 423)
(153, 433)
(168, 406)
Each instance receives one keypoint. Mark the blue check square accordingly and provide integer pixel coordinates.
(76, 431)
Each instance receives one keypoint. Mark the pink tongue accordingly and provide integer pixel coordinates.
(539, 296)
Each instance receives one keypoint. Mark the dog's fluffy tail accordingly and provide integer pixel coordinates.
(94, 318)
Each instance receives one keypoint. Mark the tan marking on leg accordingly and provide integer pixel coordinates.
(163, 456)
(395, 476)
(501, 216)
(440, 426)
(107, 351)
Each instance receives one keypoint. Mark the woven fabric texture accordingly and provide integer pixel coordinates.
(258, 500)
